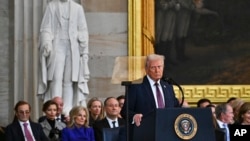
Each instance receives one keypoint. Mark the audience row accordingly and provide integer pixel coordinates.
(87, 123)
(82, 123)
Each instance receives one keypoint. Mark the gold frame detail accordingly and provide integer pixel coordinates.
(141, 41)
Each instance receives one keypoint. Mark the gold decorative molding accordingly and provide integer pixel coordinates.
(216, 93)
(140, 27)
(140, 33)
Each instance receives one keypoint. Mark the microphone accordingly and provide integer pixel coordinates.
(172, 82)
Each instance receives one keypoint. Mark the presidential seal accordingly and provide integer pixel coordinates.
(185, 126)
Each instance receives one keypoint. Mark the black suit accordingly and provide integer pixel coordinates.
(99, 125)
(141, 98)
(220, 133)
(14, 132)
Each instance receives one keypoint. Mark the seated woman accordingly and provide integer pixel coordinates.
(51, 127)
(236, 104)
(244, 114)
(96, 113)
(78, 129)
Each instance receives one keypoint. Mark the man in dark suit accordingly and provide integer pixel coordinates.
(112, 109)
(151, 94)
(224, 116)
(59, 116)
(22, 128)
(142, 98)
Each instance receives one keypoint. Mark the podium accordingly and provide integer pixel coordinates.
(176, 124)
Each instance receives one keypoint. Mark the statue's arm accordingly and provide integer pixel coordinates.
(46, 36)
(83, 35)
(83, 38)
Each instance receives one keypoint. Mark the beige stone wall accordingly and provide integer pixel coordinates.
(4, 62)
(107, 22)
(105, 5)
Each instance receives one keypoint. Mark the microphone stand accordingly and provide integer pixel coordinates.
(126, 84)
(172, 82)
(182, 94)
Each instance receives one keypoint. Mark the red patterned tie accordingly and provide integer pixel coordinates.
(27, 132)
(159, 97)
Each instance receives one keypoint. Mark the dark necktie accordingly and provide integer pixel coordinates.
(113, 122)
(27, 132)
(159, 97)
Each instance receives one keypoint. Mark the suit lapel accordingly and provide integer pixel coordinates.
(34, 130)
(120, 122)
(46, 125)
(165, 92)
(19, 130)
(149, 91)
(106, 123)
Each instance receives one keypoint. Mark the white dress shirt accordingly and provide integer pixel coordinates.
(153, 87)
(110, 122)
(29, 128)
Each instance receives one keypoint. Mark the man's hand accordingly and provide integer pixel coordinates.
(137, 119)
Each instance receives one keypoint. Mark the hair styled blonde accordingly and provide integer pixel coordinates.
(74, 112)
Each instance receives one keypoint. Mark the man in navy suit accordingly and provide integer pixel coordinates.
(112, 120)
(142, 98)
(17, 130)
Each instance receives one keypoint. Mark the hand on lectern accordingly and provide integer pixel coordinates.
(137, 119)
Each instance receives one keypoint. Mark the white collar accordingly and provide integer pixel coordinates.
(152, 82)
(110, 120)
(220, 123)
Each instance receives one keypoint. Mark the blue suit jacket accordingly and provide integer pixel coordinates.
(78, 134)
(14, 132)
(141, 98)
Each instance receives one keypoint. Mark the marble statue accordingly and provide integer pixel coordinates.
(63, 54)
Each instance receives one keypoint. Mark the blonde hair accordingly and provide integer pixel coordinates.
(74, 113)
(236, 104)
(90, 102)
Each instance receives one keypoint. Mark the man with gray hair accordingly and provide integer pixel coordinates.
(224, 115)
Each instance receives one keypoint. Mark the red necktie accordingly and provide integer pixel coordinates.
(27, 132)
(159, 97)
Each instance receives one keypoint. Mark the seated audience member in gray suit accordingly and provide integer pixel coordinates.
(51, 127)
(59, 116)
